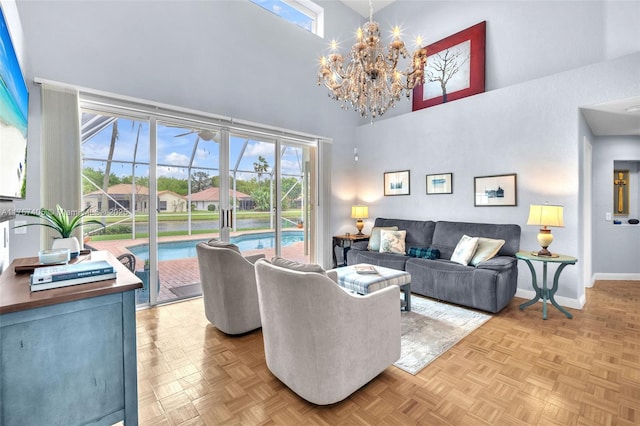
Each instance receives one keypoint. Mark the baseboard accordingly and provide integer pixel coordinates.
(566, 302)
(615, 277)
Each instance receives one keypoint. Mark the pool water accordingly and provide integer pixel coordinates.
(185, 249)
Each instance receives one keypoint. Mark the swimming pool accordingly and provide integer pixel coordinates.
(184, 249)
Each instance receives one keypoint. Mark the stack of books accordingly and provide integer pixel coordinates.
(65, 275)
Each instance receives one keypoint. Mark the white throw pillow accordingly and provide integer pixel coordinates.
(392, 241)
(374, 238)
(487, 248)
(465, 250)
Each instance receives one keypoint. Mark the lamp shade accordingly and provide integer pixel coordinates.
(545, 215)
(360, 212)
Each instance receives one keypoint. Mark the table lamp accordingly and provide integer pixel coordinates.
(545, 215)
(359, 213)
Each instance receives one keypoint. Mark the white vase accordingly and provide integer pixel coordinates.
(71, 243)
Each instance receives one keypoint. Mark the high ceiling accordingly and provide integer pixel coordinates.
(362, 6)
(606, 119)
(616, 118)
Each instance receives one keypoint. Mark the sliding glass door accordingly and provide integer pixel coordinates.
(115, 187)
(161, 185)
(188, 201)
(270, 197)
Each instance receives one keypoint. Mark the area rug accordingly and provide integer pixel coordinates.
(189, 290)
(431, 329)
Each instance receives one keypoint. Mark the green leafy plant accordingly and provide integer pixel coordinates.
(60, 220)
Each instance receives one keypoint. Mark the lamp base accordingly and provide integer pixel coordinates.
(545, 239)
(359, 225)
(544, 252)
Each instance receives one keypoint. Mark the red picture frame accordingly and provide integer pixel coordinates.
(466, 52)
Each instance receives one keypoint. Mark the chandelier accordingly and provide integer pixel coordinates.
(371, 82)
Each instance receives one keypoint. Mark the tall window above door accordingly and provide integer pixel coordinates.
(303, 13)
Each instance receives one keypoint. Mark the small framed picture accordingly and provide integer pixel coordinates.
(396, 183)
(499, 190)
(440, 184)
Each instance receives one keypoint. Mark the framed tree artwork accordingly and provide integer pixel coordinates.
(454, 69)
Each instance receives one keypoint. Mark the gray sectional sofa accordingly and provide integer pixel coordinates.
(488, 286)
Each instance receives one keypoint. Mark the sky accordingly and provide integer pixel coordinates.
(175, 147)
(287, 12)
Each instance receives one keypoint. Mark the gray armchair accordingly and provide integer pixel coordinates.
(228, 287)
(321, 341)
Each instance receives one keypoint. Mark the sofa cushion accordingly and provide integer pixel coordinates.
(487, 248)
(464, 251)
(447, 234)
(392, 241)
(419, 232)
(388, 260)
(297, 266)
(374, 238)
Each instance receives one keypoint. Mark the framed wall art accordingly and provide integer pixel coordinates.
(454, 69)
(499, 190)
(396, 183)
(440, 184)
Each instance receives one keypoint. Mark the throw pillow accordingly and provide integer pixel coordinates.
(465, 250)
(297, 266)
(223, 244)
(487, 248)
(392, 241)
(425, 253)
(374, 238)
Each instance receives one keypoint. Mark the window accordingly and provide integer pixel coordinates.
(304, 13)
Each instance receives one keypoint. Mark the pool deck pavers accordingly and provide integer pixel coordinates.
(181, 272)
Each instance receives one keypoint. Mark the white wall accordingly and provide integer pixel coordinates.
(531, 129)
(525, 40)
(615, 249)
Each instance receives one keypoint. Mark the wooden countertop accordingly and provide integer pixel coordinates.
(16, 295)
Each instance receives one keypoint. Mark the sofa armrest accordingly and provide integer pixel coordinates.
(498, 263)
(253, 258)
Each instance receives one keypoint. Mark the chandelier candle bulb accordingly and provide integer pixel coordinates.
(372, 82)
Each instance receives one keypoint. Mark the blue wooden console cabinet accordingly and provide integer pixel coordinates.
(68, 355)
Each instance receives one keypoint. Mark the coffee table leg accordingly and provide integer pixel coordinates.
(406, 290)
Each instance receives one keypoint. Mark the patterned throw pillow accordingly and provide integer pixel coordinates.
(392, 241)
(487, 248)
(465, 250)
(425, 253)
(374, 238)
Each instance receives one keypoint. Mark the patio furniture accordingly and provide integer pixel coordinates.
(128, 260)
(320, 340)
(228, 287)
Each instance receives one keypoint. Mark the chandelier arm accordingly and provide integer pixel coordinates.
(371, 82)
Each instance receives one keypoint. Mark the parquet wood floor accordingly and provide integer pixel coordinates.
(516, 369)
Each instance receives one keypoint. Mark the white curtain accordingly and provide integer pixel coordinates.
(60, 177)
